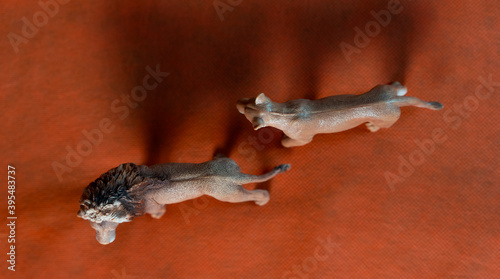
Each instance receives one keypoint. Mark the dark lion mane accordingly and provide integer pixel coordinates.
(117, 185)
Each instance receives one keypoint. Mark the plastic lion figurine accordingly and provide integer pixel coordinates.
(130, 190)
(301, 119)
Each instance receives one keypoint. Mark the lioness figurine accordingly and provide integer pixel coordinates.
(301, 119)
(130, 190)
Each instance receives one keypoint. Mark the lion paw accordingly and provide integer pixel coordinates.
(158, 214)
(264, 199)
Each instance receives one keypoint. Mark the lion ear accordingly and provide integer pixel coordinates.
(262, 99)
(80, 214)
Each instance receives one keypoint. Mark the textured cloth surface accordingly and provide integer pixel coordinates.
(418, 200)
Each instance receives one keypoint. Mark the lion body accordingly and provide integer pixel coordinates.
(129, 190)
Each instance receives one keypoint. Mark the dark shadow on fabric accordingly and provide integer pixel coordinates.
(198, 59)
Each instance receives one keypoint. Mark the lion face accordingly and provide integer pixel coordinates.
(105, 232)
(113, 198)
(104, 219)
(115, 212)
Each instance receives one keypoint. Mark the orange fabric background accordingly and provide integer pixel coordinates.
(442, 221)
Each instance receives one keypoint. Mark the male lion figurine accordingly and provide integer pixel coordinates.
(130, 190)
(301, 119)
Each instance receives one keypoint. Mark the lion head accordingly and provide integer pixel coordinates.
(115, 197)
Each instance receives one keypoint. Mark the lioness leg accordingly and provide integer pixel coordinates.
(376, 125)
(240, 194)
(400, 89)
(286, 141)
(372, 127)
(385, 120)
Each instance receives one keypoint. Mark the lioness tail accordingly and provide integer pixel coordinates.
(403, 101)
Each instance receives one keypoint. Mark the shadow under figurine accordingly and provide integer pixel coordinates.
(130, 190)
(301, 119)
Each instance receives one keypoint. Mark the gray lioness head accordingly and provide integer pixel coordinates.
(256, 110)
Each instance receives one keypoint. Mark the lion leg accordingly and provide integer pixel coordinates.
(219, 156)
(240, 194)
(155, 209)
